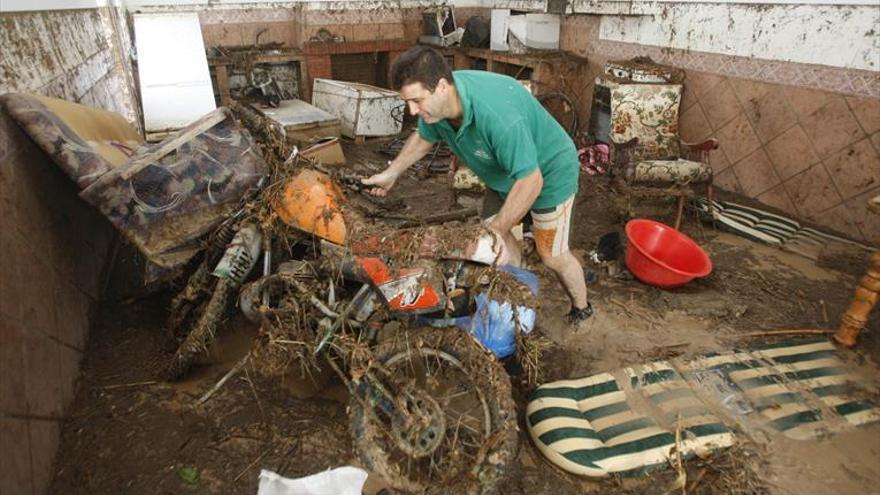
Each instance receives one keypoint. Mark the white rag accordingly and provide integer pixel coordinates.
(345, 480)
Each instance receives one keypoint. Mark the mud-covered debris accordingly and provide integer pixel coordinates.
(699, 304)
(503, 286)
(285, 345)
(531, 350)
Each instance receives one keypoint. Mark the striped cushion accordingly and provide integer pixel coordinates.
(620, 423)
(770, 228)
(625, 422)
(800, 390)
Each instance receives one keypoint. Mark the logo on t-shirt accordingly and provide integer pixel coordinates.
(482, 154)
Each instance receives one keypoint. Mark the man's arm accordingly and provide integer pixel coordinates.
(519, 200)
(413, 150)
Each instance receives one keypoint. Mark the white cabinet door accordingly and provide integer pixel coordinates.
(173, 70)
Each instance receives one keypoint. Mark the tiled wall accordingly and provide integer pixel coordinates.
(53, 246)
(811, 153)
(799, 138)
(76, 55)
(239, 27)
(295, 25)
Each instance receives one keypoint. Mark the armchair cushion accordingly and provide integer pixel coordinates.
(679, 172)
(167, 196)
(648, 112)
(163, 197)
(85, 142)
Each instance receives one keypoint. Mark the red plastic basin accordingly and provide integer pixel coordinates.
(661, 256)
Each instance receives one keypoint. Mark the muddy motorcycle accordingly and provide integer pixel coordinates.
(432, 408)
(209, 293)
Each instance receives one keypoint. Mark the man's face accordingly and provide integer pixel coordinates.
(431, 105)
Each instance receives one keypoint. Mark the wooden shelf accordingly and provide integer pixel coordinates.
(280, 57)
(531, 60)
(221, 64)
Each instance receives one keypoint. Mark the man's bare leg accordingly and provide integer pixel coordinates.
(570, 273)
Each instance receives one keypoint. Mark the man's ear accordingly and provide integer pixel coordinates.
(443, 84)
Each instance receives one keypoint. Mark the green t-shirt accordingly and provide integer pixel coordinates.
(505, 134)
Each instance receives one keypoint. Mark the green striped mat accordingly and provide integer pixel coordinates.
(769, 228)
(625, 421)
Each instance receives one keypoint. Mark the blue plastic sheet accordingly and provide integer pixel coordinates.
(493, 323)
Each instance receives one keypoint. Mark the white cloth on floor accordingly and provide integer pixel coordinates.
(345, 480)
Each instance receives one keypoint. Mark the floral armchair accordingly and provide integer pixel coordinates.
(650, 159)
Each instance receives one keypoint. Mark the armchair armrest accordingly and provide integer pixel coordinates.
(707, 145)
(698, 152)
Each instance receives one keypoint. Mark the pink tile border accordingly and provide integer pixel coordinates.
(845, 81)
(581, 35)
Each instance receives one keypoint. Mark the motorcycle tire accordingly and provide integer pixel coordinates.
(472, 455)
(201, 336)
(180, 311)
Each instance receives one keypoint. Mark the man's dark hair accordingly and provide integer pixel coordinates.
(421, 64)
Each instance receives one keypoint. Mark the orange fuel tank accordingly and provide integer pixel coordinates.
(311, 202)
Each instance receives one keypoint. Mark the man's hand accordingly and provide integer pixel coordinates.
(383, 181)
(493, 224)
(500, 246)
(413, 150)
(506, 245)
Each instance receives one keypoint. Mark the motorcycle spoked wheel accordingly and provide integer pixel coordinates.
(201, 335)
(467, 437)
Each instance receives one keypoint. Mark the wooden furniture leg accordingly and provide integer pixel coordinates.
(223, 85)
(450, 181)
(680, 211)
(866, 296)
(711, 201)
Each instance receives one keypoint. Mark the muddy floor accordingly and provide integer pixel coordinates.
(129, 432)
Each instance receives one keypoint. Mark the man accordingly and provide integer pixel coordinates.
(510, 141)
